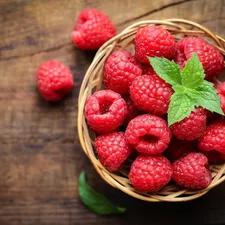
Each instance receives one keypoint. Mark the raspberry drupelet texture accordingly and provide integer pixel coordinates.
(211, 59)
(191, 171)
(132, 111)
(148, 134)
(54, 80)
(178, 148)
(154, 41)
(151, 94)
(92, 30)
(192, 127)
(214, 137)
(221, 93)
(105, 111)
(150, 173)
(112, 150)
(120, 70)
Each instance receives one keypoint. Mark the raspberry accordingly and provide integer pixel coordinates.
(112, 149)
(178, 148)
(120, 70)
(105, 111)
(151, 94)
(54, 80)
(147, 69)
(148, 134)
(92, 30)
(154, 41)
(150, 173)
(191, 127)
(214, 157)
(221, 94)
(191, 172)
(211, 59)
(132, 111)
(214, 137)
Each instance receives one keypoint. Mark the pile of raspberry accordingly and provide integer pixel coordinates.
(130, 115)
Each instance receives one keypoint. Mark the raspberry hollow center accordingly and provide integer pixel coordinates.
(104, 106)
(149, 138)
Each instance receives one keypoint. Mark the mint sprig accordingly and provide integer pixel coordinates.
(95, 201)
(190, 88)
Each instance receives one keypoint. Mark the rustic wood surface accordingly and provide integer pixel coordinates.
(40, 155)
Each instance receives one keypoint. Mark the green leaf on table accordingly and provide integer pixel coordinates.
(180, 107)
(193, 73)
(95, 201)
(167, 70)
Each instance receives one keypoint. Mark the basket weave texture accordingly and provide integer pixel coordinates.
(93, 82)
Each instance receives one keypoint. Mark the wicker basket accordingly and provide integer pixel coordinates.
(93, 81)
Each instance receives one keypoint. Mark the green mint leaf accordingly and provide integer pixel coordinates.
(95, 201)
(208, 98)
(167, 70)
(181, 106)
(179, 88)
(193, 73)
(192, 93)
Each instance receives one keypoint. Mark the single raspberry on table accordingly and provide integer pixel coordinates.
(214, 157)
(221, 93)
(192, 127)
(54, 80)
(105, 111)
(151, 94)
(92, 30)
(120, 70)
(211, 59)
(150, 173)
(112, 150)
(178, 149)
(191, 171)
(132, 111)
(214, 137)
(148, 134)
(154, 41)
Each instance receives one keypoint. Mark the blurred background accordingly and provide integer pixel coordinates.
(40, 154)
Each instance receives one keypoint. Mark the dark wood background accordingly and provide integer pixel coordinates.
(40, 155)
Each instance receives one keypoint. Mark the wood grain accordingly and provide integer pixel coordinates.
(40, 155)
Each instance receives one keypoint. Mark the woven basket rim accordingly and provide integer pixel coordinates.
(93, 81)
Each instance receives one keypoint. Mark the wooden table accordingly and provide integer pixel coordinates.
(40, 154)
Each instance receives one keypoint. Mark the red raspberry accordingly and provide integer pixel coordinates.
(221, 94)
(92, 30)
(132, 111)
(54, 80)
(105, 111)
(147, 69)
(191, 127)
(151, 94)
(214, 137)
(178, 149)
(191, 171)
(112, 149)
(212, 60)
(214, 157)
(150, 173)
(154, 41)
(148, 134)
(121, 68)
